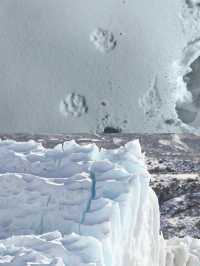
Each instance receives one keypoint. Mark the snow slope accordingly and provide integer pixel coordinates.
(79, 205)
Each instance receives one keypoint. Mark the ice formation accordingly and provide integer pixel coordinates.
(81, 205)
(182, 252)
(178, 108)
(188, 94)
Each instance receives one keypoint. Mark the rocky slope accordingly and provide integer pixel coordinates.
(179, 198)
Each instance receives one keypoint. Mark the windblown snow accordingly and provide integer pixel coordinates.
(80, 205)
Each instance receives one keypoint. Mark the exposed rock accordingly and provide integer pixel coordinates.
(179, 198)
(111, 130)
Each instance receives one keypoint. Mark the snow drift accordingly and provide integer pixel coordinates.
(81, 205)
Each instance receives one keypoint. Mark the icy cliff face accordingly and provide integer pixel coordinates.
(78, 205)
(183, 252)
(100, 200)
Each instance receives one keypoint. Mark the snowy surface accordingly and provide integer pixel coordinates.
(81, 205)
(84, 66)
(111, 53)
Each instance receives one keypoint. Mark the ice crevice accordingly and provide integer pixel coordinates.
(92, 197)
(80, 205)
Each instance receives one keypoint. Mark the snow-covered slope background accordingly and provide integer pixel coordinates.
(90, 66)
(80, 205)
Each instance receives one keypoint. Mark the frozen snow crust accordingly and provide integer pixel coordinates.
(81, 205)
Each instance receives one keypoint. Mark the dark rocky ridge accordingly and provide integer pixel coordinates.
(179, 198)
(174, 162)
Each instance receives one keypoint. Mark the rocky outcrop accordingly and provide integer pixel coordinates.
(179, 198)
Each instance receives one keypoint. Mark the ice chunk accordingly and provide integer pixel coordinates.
(181, 252)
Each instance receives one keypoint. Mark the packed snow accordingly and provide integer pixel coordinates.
(103, 51)
(80, 205)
